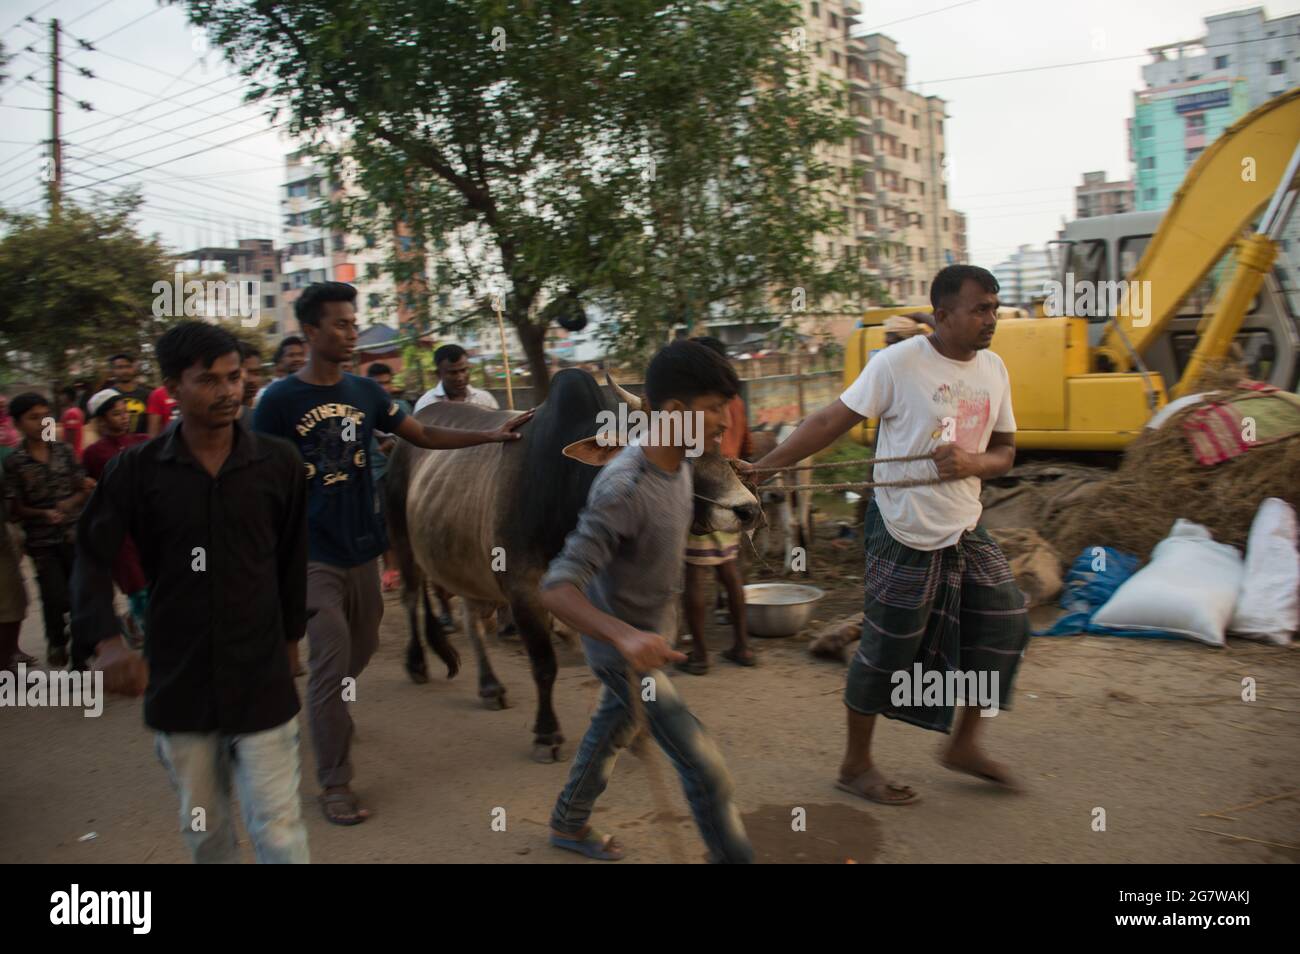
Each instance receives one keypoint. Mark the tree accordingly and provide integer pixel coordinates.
(661, 156)
(77, 287)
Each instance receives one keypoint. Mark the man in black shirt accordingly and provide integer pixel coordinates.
(127, 383)
(218, 516)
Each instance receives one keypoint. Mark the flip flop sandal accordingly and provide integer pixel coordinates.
(348, 818)
(693, 666)
(874, 787)
(593, 845)
(739, 660)
(1002, 782)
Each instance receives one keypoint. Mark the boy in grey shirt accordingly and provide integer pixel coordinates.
(617, 582)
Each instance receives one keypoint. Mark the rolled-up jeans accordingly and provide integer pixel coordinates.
(679, 734)
(263, 766)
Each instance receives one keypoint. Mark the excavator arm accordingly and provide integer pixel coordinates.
(1222, 195)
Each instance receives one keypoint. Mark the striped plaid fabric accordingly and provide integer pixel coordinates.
(957, 608)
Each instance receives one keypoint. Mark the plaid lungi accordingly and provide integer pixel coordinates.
(957, 608)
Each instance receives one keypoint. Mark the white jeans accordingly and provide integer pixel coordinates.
(264, 767)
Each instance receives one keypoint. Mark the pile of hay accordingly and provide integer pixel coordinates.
(1159, 481)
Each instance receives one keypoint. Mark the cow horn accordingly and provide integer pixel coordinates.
(631, 400)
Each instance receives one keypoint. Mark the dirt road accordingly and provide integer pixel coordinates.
(1152, 732)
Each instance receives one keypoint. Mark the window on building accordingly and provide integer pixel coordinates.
(921, 186)
(268, 301)
(1276, 66)
(1220, 62)
(1146, 132)
(1193, 154)
(835, 59)
(945, 223)
(835, 22)
(373, 300)
(920, 221)
(268, 275)
(1148, 195)
(816, 8)
(1196, 122)
(338, 242)
(818, 47)
(916, 154)
(284, 286)
(914, 122)
(1147, 162)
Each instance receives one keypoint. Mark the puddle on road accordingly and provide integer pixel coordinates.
(835, 834)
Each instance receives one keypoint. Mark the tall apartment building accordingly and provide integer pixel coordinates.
(1096, 196)
(1023, 276)
(315, 253)
(1171, 127)
(1245, 44)
(251, 260)
(890, 178)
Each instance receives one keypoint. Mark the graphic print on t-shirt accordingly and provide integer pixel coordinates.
(969, 409)
(333, 459)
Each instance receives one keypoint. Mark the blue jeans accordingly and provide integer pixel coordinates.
(264, 768)
(698, 762)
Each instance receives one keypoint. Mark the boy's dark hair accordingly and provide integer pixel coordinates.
(192, 341)
(285, 345)
(311, 302)
(25, 402)
(378, 368)
(247, 351)
(712, 343)
(684, 370)
(451, 353)
(949, 281)
(122, 357)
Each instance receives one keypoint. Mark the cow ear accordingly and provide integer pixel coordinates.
(592, 451)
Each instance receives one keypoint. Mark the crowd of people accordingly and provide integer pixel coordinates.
(237, 518)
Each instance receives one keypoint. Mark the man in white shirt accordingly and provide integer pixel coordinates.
(942, 609)
(453, 381)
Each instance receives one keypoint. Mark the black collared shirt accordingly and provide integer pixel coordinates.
(226, 561)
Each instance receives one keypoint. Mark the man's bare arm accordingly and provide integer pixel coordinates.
(819, 430)
(433, 437)
(953, 463)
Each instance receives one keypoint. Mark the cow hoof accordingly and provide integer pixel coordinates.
(418, 676)
(547, 753)
(494, 698)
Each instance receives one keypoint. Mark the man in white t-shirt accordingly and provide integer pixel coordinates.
(453, 381)
(944, 620)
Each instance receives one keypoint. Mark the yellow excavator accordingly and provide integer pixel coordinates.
(1197, 279)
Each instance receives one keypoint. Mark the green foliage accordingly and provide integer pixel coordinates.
(661, 158)
(76, 287)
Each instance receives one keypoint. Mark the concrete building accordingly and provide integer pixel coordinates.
(889, 178)
(316, 253)
(1243, 44)
(1022, 277)
(1099, 197)
(251, 260)
(1171, 127)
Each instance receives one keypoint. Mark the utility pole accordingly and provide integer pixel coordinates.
(56, 147)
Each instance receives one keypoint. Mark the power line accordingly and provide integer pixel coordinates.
(174, 159)
(125, 25)
(212, 191)
(157, 102)
(915, 16)
(31, 15)
(89, 12)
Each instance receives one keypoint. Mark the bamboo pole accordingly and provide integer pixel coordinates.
(505, 354)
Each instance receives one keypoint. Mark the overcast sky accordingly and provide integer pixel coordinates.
(1018, 143)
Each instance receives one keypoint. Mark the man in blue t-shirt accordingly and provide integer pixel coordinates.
(331, 417)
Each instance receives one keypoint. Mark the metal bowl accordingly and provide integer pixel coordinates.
(779, 609)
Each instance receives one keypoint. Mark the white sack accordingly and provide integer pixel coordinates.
(1268, 606)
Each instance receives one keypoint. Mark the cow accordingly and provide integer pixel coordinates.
(483, 522)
